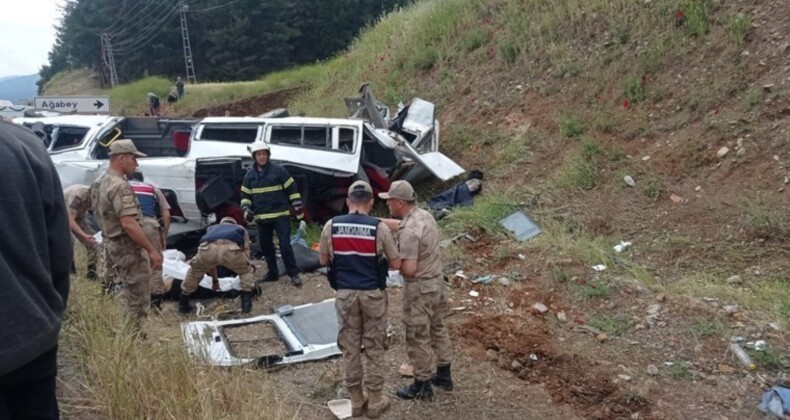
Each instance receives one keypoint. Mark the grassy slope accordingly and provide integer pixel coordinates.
(130, 98)
(566, 88)
(580, 61)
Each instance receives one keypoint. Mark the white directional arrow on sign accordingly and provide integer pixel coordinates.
(74, 104)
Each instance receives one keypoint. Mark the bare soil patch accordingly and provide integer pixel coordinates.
(250, 106)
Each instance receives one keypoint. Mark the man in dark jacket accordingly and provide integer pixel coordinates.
(34, 275)
(267, 194)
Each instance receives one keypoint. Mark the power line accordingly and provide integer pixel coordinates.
(150, 31)
(130, 10)
(128, 47)
(212, 7)
(152, 24)
(143, 17)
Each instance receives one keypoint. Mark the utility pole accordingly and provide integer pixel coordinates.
(185, 37)
(108, 58)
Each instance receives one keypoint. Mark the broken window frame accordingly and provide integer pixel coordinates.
(218, 127)
(332, 143)
(55, 135)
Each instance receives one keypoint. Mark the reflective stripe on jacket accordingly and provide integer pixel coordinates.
(269, 192)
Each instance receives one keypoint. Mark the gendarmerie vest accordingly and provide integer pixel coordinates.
(355, 262)
(227, 231)
(147, 198)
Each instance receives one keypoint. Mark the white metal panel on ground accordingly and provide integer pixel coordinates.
(309, 332)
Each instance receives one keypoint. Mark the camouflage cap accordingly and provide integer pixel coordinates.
(360, 187)
(400, 190)
(124, 146)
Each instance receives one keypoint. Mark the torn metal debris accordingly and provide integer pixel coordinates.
(520, 225)
(304, 333)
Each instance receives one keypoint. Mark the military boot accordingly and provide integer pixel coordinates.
(377, 404)
(183, 304)
(357, 402)
(246, 302)
(296, 280)
(420, 390)
(91, 273)
(271, 276)
(157, 299)
(442, 378)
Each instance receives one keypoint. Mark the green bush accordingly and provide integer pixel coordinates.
(594, 288)
(696, 16)
(474, 39)
(578, 173)
(652, 189)
(738, 27)
(509, 52)
(426, 59)
(612, 325)
(571, 126)
(634, 89)
(591, 149)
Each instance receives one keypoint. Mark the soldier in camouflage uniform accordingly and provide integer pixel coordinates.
(103, 272)
(78, 203)
(353, 244)
(424, 293)
(130, 255)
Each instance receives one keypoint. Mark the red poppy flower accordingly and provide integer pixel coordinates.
(626, 104)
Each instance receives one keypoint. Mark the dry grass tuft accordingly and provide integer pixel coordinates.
(111, 374)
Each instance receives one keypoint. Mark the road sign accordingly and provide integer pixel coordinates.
(74, 104)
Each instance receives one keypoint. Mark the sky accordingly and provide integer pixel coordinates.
(27, 34)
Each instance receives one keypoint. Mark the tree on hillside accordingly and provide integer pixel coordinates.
(231, 40)
(252, 41)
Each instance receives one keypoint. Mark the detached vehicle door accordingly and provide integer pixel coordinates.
(419, 130)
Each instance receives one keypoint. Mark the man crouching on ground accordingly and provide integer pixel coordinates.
(226, 244)
(353, 246)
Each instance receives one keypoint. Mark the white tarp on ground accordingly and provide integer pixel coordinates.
(173, 266)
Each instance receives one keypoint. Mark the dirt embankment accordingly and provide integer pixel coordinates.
(250, 106)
